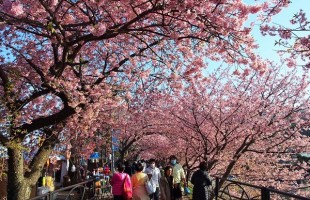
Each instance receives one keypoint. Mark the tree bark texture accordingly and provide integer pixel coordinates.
(20, 179)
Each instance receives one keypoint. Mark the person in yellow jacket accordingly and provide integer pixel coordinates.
(178, 177)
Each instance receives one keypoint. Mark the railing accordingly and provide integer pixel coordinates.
(230, 190)
(236, 190)
(83, 190)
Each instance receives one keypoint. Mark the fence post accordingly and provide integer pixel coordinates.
(50, 196)
(265, 193)
(216, 190)
(94, 187)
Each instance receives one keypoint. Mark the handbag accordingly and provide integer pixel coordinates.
(150, 188)
(127, 191)
(187, 190)
(73, 168)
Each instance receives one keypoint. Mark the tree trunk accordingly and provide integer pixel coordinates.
(240, 151)
(18, 188)
(21, 181)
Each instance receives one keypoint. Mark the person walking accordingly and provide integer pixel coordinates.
(166, 184)
(154, 172)
(138, 184)
(178, 177)
(128, 168)
(200, 179)
(117, 182)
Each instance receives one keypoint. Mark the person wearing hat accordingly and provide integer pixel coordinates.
(178, 177)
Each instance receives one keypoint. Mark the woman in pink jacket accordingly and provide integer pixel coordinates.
(118, 181)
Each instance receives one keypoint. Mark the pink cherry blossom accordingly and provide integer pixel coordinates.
(17, 9)
(73, 72)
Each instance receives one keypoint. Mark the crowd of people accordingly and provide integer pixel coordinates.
(154, 183)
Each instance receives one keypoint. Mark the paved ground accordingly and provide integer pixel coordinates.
(186, 198)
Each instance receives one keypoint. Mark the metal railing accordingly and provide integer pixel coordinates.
(231, 189)
(83, 190)
(236, 190)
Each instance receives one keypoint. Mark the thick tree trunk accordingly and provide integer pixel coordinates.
(17, 187)
(20, 182)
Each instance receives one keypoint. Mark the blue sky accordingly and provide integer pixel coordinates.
(267, 48)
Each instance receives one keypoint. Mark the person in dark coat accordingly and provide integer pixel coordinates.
(166, 184)
(201, 181)
(128, 168)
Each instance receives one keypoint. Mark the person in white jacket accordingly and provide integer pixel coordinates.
(155, 176)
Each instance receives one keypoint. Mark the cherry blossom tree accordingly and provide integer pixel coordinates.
(66, 65)
(294, 40)
(246, 126)
(142, 121)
